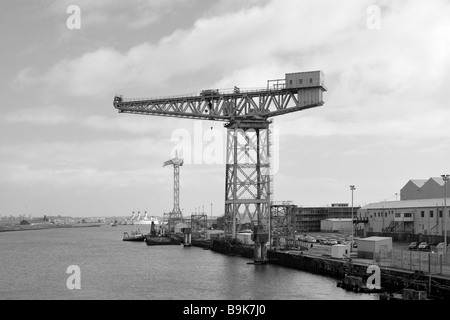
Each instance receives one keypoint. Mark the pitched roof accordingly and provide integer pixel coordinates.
(417, 203)
(438, 180)
(419, 182)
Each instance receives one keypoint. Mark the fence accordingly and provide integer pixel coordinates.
(409, 237)
(428, 262)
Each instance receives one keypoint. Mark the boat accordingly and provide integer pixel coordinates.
(145, 219)
(161, 240)
(135, 235)
(407, 294)
(356, 284)
(155, 238)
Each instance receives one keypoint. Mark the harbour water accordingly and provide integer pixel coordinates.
(34, 265)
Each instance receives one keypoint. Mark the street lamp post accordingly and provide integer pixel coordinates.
(352, 187)
(445, 177)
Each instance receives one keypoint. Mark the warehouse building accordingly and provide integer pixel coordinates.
(308, 219)
(432, 188)
(336, 225)
(420, 216)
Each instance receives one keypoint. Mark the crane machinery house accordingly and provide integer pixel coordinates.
(209, 92)
(308, 79)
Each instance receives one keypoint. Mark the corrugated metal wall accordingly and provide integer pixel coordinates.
(309, 96)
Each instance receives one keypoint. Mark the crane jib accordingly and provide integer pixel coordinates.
(226, 107)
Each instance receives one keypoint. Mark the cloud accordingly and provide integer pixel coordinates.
(100, 13)
(260, 42)
(25, 77)
(213, 48)
(55, 115)
(48, 115)
(407, 126)
(385, 83)
(99, 163)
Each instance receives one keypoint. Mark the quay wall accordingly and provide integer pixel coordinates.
(393, 280)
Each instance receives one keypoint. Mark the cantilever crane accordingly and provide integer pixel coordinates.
(246, 115)
(176, 215)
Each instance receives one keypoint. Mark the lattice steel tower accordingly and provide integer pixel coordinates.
(175, 216)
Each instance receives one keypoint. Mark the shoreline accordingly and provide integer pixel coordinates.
(11, 228)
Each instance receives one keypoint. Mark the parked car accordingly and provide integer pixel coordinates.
(424, 246)
(413, 246)
(440, 247)
(320, 240)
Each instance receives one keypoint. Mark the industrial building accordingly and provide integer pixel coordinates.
(373, 246)
(336, 225)
(420, 211)
(308, 219)
(421, 216)
(432, 188)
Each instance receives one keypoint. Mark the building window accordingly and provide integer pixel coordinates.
(422, 214)
(397, 215)
(301, 81)
(310, 80)
(440, 213)
(290, 81)
(385, 214)
(431, 213)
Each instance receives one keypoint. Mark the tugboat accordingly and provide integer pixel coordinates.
(135, 235)
(155, 239)
(356, 284)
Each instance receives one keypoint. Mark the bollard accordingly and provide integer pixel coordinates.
(420, 260)
(410, 260)
(187, 237)
(429, 263)
(401, 259)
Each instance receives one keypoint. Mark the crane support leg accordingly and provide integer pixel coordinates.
(247, 182)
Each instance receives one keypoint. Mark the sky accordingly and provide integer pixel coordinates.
(65, 150)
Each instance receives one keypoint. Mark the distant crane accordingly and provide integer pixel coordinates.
(176, 215)
(246, 115)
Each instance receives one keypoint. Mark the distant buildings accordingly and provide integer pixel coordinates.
(420, 211)
(308, 219)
